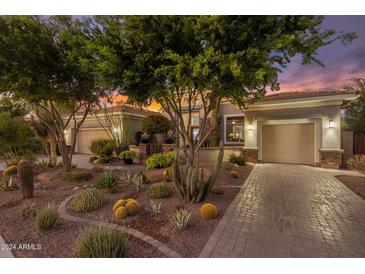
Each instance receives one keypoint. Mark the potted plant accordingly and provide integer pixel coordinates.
(170, 136)
(127, 156)
(145, 138)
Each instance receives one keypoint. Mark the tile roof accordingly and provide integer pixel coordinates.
(301, 94)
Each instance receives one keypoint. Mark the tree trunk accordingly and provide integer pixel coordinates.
(53, 150)
(65, 153)
(214, 139)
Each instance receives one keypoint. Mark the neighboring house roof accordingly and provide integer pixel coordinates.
(124, 108)
(302, 99)
(302, 94)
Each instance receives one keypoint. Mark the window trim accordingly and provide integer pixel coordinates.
(225, 128)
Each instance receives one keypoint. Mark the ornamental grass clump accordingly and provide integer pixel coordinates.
(158, 191)
(101, 242)
(29, 210)
(47, 217)
(107, 180)
(87, 200)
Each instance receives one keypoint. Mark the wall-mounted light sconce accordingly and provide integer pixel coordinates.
(331, 124)
(115, 130)
(250, 126)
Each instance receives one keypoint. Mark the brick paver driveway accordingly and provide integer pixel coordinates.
(291, 211)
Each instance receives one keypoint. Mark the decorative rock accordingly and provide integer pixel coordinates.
(76, 188)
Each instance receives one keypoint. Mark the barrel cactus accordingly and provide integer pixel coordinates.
(118, 204)
(208, 211)
(25, 175)
(121, 213)
(133, 207)
(11, 170)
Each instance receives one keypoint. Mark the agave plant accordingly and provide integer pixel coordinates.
(180, 219)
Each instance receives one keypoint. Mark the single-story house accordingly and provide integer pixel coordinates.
(95, 126)
(295, 127)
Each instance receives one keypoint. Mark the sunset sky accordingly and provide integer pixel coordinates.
(341, 63)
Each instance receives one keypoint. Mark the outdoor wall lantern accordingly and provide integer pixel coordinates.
(115, 130)
(250, 126)
(331, 124)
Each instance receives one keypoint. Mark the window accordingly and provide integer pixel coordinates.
(234, 129)
(194, 124)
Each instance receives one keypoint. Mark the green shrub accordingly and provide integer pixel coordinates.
(238, 160)
(77, 176)
(47, 217)
(180, 219)
(127, 154)
(160, 160)
(29, 210)
(357, 162)
(228, 166)
(101, 242)
(107, 180)
(158, 190)
(155, 124)
(87, 200)
(93, 158)
(11, 170)
(102, 147)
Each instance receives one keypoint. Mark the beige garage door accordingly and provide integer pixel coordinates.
(292, 143)
(86, 136)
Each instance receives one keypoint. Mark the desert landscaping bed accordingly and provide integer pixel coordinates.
(355, 183)
(188, 242)
(60, 241)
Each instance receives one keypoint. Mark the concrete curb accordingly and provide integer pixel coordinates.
(4, 252)
(131, 231)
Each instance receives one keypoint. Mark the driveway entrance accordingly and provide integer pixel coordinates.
(291, 211)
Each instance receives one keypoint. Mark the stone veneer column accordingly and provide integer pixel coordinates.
(330, 158)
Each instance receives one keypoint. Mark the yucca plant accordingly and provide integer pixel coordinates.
(180, 218)
(87, 200)
(107, 180)
(101, 242)
(47, 217)
(42, 163)
(139, 180)
(155, 207)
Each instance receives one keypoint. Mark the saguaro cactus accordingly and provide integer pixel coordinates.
(25, 175)
(189, 181)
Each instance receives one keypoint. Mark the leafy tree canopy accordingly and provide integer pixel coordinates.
(355, 112)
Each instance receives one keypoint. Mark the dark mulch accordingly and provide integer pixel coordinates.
(60, 241)
(355, 183)
(189, 242)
